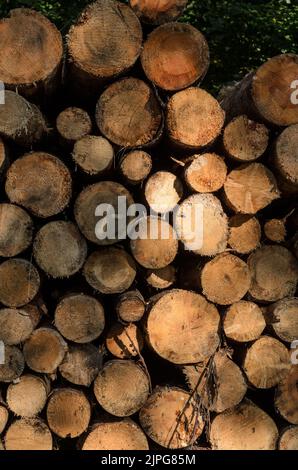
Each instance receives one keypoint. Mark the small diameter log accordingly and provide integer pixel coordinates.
(245, 233)
(182, 327)
(122, 388)
(161, 278)
(13, 366)
(163, 191)
(225, 279)
(28, 434)
(274, 272)
(243, 322)
(275, 230)
(3, 418)
(115, 435)
(124, 341)
(175, 56)
(194, 118)
(171, 418)
(286, 397)
(158, 12)
(245, 140)
(250, 188)
(130, 306)
(27, 397)
(228, 382)
(205, 173)
(266, 94)
(39, 182)
(245, 427)
(81, 364)
(95, 229)
(285, 158)
(4, 161)
(110, 271)
(80, 318)
(59, 249)
(202, 225)
(288, 439)
(72, 124)
(283, 319)
(135, 166)
(93, 154)
(68, 412)
(20, 120)
(19, 282)
(44, 350)
(266, 362)
(128, 113)
(16, 229)
(16, 326)
(105, 42)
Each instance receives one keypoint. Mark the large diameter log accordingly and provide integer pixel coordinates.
(245, 233)
(225, 279)
(13, 365)
(182, 327)
(28, 434)
(130, 306)
(27, 397)
(286, 157)
(135, 166)
(59, 249)
(39, 182)
(266, 362)
(250, 188)
(283, 319)
(81, 364)
(162, 278)
(158, 12)
(124, 341)
(128, 113)
(243, 322)
(16, 229)
(245, 427)
(32, 53)
(274, 272)
(93, 154)
(80, 318)
(175, 56)
(286, 397)
(194, 118)
(266, 95)
(68, 412)
(116, 435)
(19, 282)
(15, 326)
(288, 439)
(4, 415)
(163, 191)
(72, 124)
(205, 173)
(171, 418)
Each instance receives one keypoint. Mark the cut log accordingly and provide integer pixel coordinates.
(135, 166)
(93, 154)
(121, 388)
(27, 397)
(245, 427)
(44, 350)
(182, 327)
(116, 435)
(286, 397)
(19, 282)
(275, 230)
(245, 233)
(72, 124)
(175, 56)
(28, 434)
(80, 318)
(13, 366)
(163, 191)
(68, 412)
(243, 322)
(171, 418)
(266, 362)
(59, 249)
(21, 121)
(161, 278)
(16, 229)
(130, 306)
(39, 182)
(81, 364)
(225, 279)
(15, 326)
(124, 341)
(205, 173)
(274, 272)
(128, 113)
(266, 94)
(250, 188)
(32, 53)
(202, 225)
(110, 271)
(245, 140)
(4, 160)
(155, 245)
(288, 439)
(285, 158)
(219, 385)
(158, 12)
(3, 418)
(194, 118)
(100, 195)
(283, 319)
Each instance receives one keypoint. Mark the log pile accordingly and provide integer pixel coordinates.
(150, 342)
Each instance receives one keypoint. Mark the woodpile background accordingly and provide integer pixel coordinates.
(144, 344)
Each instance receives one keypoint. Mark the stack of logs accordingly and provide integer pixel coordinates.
(145, 343)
